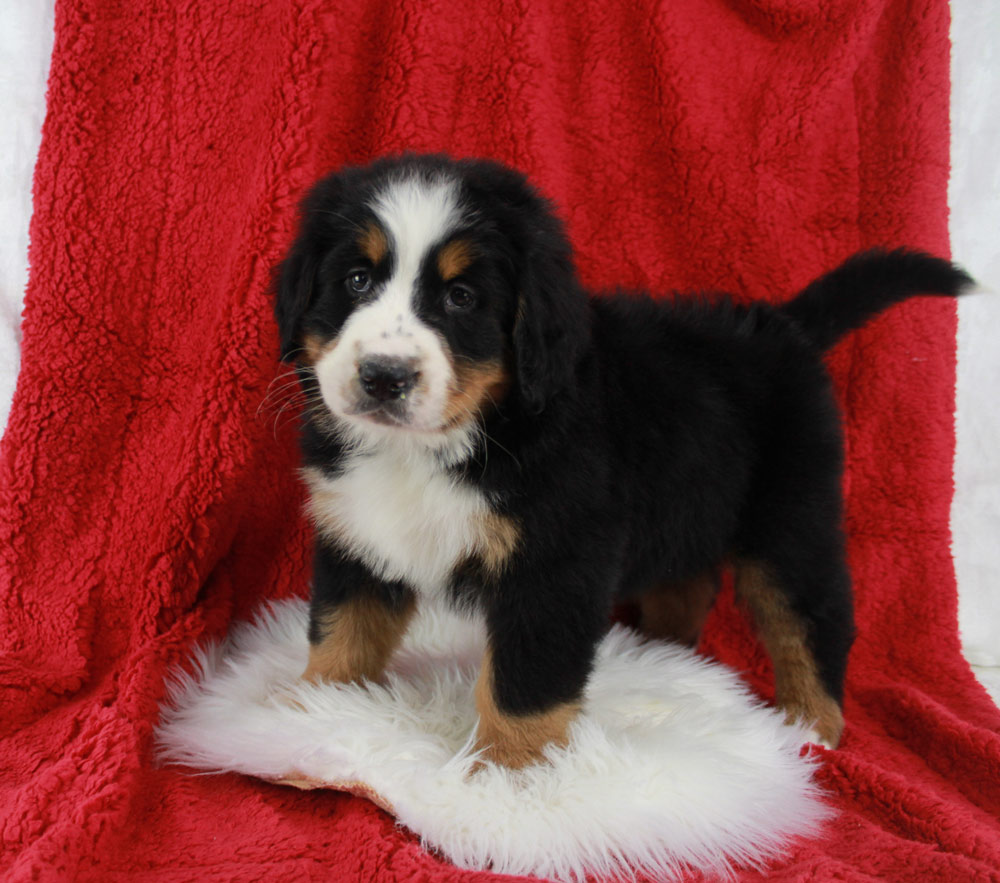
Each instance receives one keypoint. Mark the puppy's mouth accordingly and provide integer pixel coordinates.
(387, 392)
(396, 414)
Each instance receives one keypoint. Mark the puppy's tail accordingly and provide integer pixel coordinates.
(866, 284)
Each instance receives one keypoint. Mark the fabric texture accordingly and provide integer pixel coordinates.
(145, 503)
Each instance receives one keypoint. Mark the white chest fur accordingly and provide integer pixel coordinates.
(402, 515)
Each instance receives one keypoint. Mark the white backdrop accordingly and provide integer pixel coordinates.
(974, 198)
(974, 195)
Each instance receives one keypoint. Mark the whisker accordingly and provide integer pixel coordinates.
(309, 405)
(283, 386)
(279, 400)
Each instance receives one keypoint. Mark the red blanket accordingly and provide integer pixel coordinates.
(743, 144)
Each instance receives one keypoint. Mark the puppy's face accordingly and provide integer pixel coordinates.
(407, 294)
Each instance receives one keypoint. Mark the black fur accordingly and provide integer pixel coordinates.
(642, 441)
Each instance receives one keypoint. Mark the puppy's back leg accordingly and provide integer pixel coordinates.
(807, 636)
(676, 611)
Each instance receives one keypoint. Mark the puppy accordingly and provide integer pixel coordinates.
(478, 430)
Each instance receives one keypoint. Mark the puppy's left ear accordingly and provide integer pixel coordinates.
(552, 325)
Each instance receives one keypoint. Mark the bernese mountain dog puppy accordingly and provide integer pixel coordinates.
(477, 429)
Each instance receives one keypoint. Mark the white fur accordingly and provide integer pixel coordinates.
(399, 512)
(417, 214)
(673, 764)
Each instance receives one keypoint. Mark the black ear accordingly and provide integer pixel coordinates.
(552, 319)
(295, 277)
(552, 325)
(294, 284)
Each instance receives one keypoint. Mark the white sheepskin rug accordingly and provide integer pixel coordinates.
(673, 765)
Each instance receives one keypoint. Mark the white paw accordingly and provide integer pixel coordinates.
(816, 739)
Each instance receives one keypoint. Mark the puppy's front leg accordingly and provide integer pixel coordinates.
(531, 684)
(356, 620)
(516, 740)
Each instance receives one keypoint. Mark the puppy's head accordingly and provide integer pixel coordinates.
(423, 292)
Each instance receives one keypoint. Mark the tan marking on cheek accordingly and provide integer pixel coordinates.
(515, 741)
(477, 387)
(373, 243)
(454, 258)
(358, 637)
(314, 347)
(798, 689)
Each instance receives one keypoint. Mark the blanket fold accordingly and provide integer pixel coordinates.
(148, 493)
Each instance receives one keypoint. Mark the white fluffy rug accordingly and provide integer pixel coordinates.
(673, 764)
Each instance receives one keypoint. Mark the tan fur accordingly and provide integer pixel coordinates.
(454, 258)
(321, 505)
(516, 741)
(499, 539)
(359, 789)
(496, 536)
(314, 348)
(373, 243)
(798, 689)
(359, 636)
(477, 387)
(677, 611)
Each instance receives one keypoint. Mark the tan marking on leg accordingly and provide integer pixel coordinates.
(477, 387)
(798, 689)
(677, 611)
(454, 258)
(373, 243)
(515, 741)
(359, 636)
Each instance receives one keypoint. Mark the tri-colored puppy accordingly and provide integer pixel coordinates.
(478, 429)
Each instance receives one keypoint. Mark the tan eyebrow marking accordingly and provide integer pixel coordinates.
(454, 257)
(373, 243)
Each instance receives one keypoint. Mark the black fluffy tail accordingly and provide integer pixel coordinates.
(866, 284)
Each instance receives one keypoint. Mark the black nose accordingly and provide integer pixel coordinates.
(384, 378)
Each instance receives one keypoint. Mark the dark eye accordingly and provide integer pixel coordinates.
(358, 281)
(458, 297)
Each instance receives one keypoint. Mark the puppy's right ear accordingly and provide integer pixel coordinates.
(297, 276)
(294, 288)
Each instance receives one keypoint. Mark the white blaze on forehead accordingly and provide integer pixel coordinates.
(416, 213)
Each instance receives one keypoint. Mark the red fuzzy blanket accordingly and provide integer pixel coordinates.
(145, 503)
